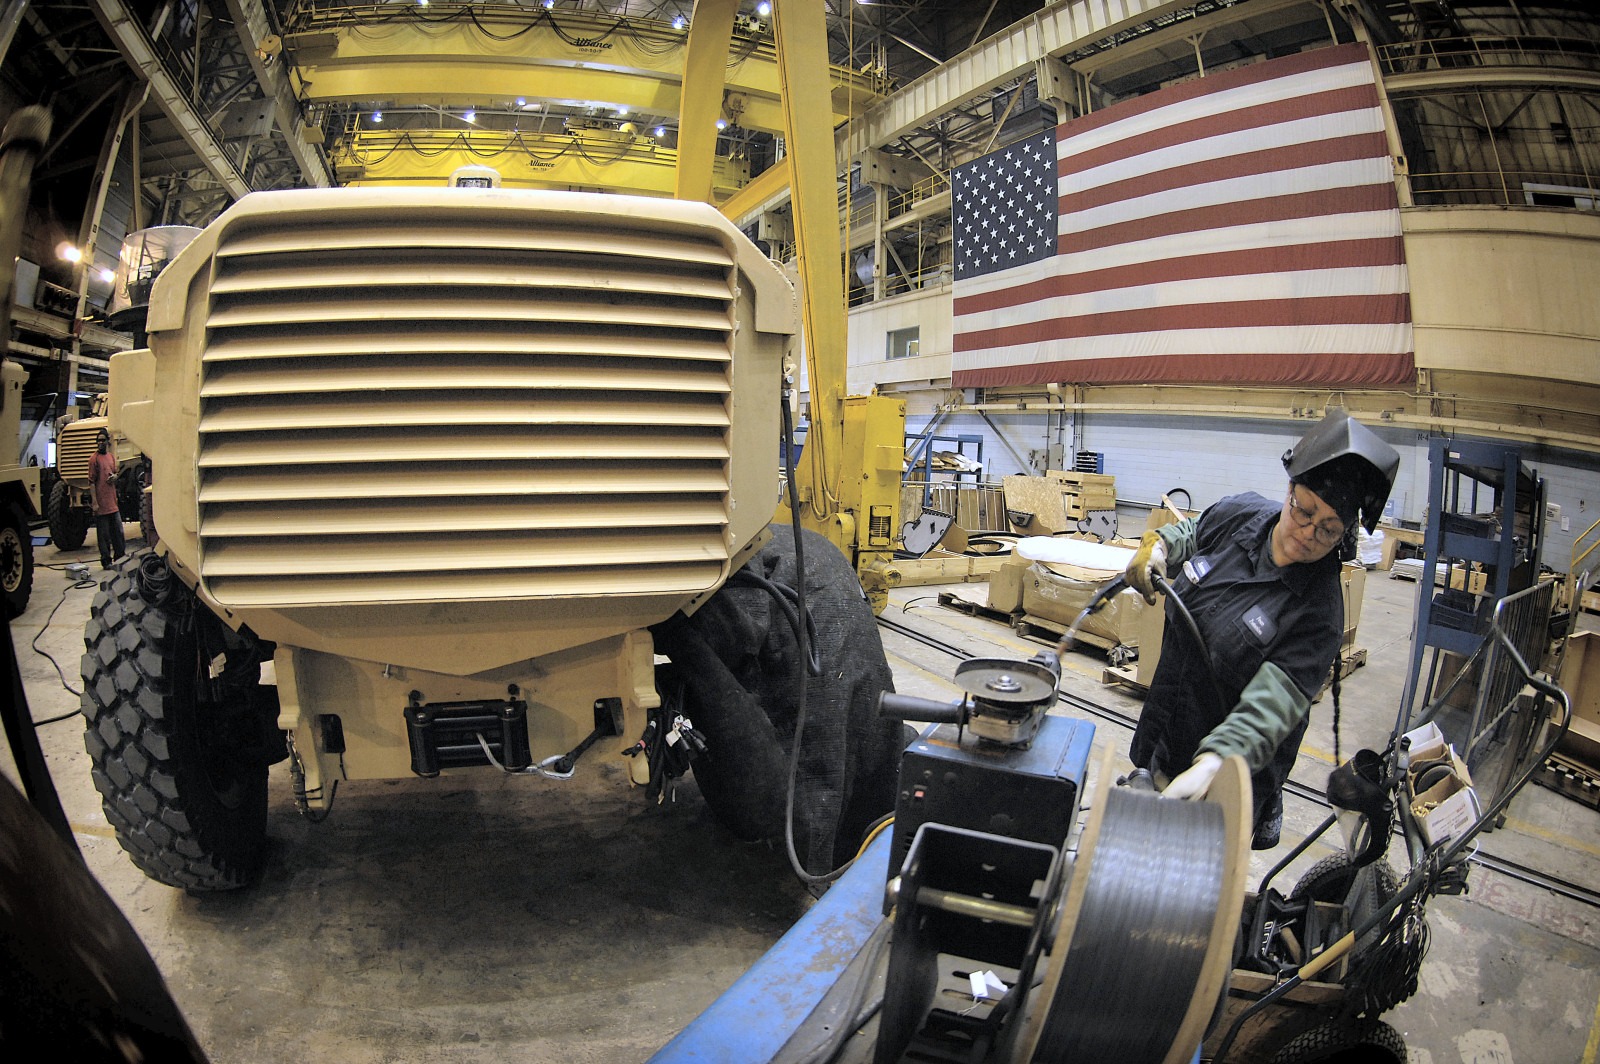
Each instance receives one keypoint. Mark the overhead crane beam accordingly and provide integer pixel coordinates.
(593, 161)
(250, 22)
(405, 62)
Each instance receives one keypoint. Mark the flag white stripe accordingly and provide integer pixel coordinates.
(1366, 225)
(1223, 146)
(1273, 90)
(1310, 340)
(1299, 284)
(1319, 178)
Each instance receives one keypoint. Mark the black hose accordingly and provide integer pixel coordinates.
(1161, 584)
(804, 642)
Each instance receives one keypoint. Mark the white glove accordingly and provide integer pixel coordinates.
(1195, 781)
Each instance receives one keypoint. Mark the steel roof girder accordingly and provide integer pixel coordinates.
(136, 48)
(1054, 30)
(250, 21)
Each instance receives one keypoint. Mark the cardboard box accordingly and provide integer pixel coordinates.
(1353, 584)
(1448, 805)
(1580, 678)
(1061, 598)
(1005, 586)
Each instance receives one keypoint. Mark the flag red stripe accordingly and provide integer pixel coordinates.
(1386, 309)
(1287, 66)
(1316, 204)
(1339, 254)
(1344, 370)
(1265, 161)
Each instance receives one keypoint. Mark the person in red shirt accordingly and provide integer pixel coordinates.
(107, 514)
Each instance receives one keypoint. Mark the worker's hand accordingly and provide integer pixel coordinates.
(1150, 560)
(1195, 781)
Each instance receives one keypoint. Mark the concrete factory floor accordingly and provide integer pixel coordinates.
(490, 918)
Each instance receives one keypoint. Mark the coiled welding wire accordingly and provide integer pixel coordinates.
(1140, 941)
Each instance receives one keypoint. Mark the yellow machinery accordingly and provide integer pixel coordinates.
(441, 457)
(849, 477)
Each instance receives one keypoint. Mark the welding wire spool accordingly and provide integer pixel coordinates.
(1143, 947)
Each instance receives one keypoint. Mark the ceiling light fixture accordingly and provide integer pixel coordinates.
(67, 252)
(106, 275)
(660, 131)
(763, 9)
(469, 116)
(377, 116)
(722, 123)
(679, 22)
(522, 101)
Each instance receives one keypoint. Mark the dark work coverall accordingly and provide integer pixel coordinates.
(1273, 637)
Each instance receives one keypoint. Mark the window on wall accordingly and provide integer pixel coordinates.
(903, 343)
(1537, 195)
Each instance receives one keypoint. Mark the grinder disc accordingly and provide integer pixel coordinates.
(1006, 680)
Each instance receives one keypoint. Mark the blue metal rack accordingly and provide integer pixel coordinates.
(1484, 506)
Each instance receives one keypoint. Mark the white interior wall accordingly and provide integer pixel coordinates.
(1215, 457)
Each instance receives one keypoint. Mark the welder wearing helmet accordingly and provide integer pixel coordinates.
(1261, 579)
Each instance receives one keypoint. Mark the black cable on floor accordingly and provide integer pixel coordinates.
(83, 581)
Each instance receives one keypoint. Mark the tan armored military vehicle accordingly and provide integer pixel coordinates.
(70, 509)
(19, 497)
(440, 456)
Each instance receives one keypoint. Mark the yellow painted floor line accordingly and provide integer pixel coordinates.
(1529, 828)
(1593, 1044)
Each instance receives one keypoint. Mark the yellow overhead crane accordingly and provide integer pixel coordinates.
(848, 481)
(493, 58)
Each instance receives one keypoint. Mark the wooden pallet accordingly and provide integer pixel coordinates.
(1128, 678)
(1576, 781)
(1044, 630)
(1589, 602)
(955, 602)
(1350, 659)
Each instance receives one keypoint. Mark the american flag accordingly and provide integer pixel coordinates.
(1240, 228)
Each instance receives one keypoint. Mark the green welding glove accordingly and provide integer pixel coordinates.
(1148, 561)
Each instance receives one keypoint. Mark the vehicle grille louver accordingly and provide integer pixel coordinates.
(447, 411)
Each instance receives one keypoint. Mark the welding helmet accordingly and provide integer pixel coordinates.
(1346, 465)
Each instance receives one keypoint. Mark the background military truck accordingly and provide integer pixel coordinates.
(70, 510)
(145, 254)
(19, 496)
(441, 457)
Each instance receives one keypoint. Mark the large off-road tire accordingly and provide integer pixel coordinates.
(16, 560)
(737, 660)
(130, 489)
(178, 745)
(69, 524)
(147, 518)
(1345, 1042)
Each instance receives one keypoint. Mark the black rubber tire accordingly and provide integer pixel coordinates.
(130, 488)
(147, 518)
(69, 524)
(16, 559)
(1345, 1042)
(181, 776)
(1329, 880)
